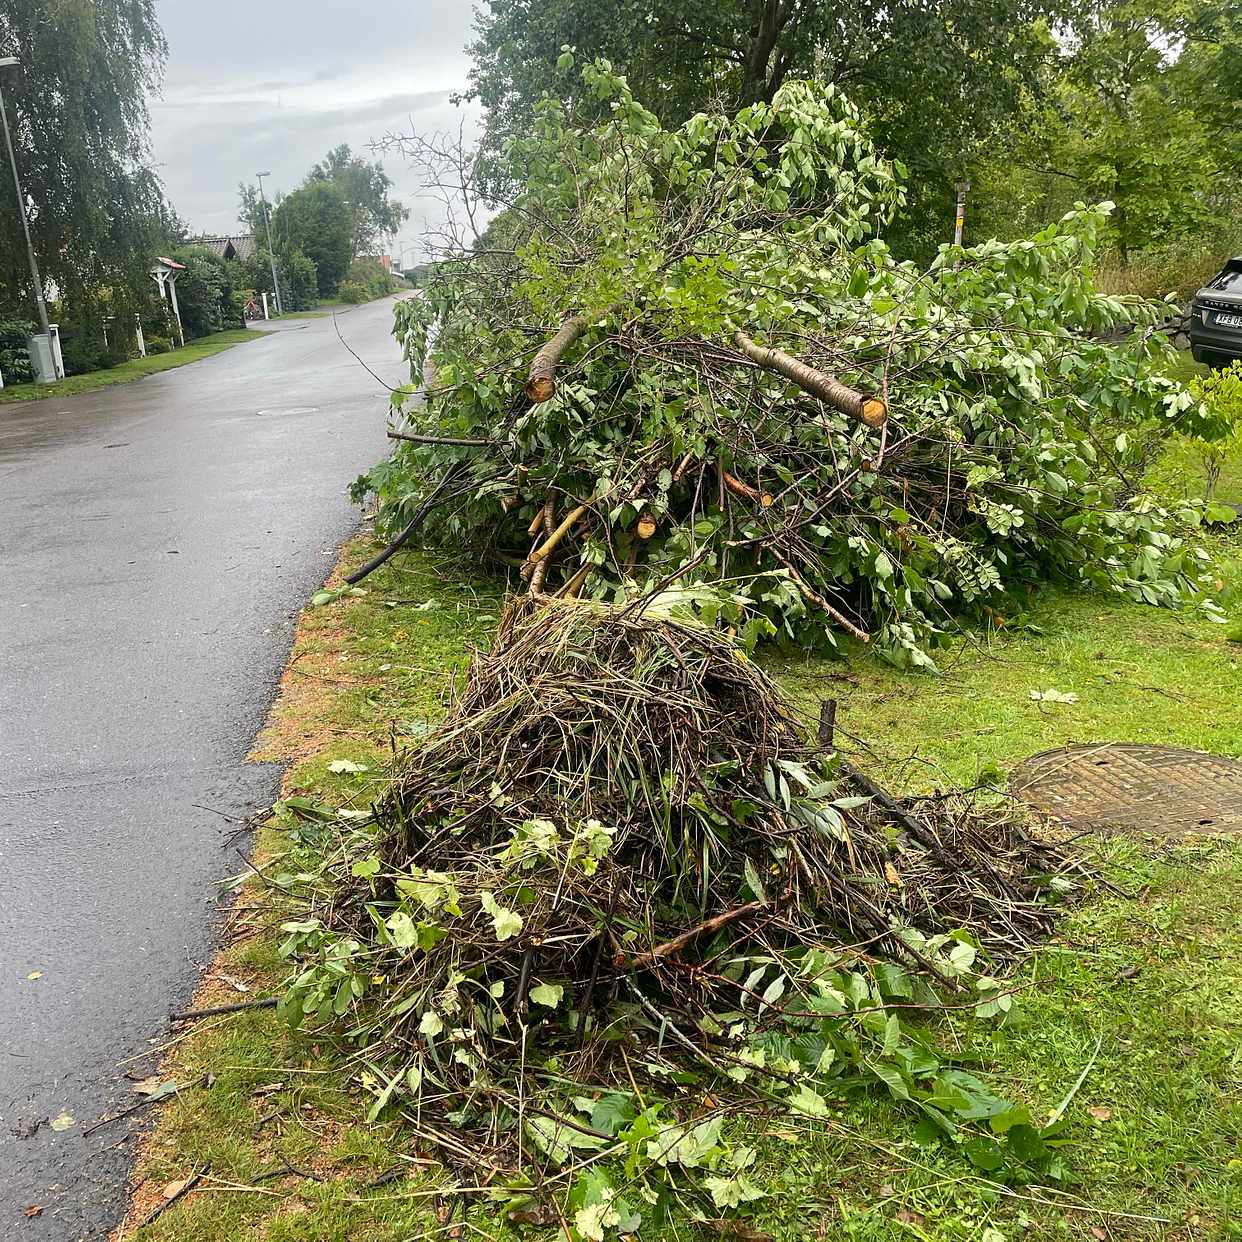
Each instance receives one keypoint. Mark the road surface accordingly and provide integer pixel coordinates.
(157, 540)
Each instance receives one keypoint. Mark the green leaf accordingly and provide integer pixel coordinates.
(547, 994)
(347, 765)
(808, 1102)
(753, 882)
(365, 868)
(611, 1112)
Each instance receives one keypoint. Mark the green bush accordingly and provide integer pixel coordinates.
(158, 345)
(299, 284)
(15, 356)
(206, 291)
(365, 281)
(1221, 394)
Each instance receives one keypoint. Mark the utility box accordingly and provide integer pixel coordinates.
(42, 359)
(58, 360)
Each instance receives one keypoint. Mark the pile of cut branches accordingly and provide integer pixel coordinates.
(685, 355)
(621, 863)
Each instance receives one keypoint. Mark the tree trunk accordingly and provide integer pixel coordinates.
(770, 18)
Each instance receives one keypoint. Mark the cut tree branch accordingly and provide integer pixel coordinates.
(672, 947)
(453, 440)
(541, 383)
(868, 410)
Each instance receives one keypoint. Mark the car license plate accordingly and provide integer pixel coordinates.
(1228, 321)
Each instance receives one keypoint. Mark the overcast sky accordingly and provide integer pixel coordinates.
(275, 84)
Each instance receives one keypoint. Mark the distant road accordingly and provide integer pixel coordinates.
(157, 540)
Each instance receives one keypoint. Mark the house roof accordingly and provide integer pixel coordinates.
(240, 246)
(171, 264)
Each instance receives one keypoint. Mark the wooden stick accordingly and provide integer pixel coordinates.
(558, 534)
(538, 568)
(671, 947)
(574, 585)
(820, 602)
(185, 1015)
(541, 382)
(417, 439)
(869, 410)
(744, 490)
(186, 1187)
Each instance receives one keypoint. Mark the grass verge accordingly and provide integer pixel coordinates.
(127, 372)
(1141, 989)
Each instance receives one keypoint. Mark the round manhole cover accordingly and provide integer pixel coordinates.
(1127, 787)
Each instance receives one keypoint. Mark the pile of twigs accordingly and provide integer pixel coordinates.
(622, 815)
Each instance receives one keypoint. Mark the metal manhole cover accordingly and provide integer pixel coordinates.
(1124, 786)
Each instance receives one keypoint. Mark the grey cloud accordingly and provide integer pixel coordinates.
(277, 84)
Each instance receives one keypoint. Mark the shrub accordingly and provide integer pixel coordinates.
(365, 281)
(14, 352)
(205, 291)
(1221, 393)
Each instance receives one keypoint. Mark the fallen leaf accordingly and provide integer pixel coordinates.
(236, 984)
(1101, 1114)
(1099, 1234)
(1054, 696)
(35, 1209)
(173, 1189)
(155, 1088)
(908, 1217)
(63, 1122)
(887, 1191)
(35, 974)
(347, 765)
(268, 1088)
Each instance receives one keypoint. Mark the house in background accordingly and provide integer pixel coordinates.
(240, 247)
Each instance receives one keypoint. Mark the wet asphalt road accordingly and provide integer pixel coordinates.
(157, 540)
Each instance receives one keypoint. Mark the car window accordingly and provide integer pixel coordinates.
(1229, 281)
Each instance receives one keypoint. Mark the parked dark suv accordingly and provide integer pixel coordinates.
(1216, 317)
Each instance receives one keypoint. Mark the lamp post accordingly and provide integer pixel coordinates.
(5, 63)
(271, 254)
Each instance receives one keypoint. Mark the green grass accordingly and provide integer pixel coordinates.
(127, 372)
(1151, 968)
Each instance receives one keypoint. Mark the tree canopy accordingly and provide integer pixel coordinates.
(936, 82)
(77, 108)
(316, 221)
(365, 187)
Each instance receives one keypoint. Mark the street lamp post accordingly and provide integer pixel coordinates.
(271, 254)
(5, 63)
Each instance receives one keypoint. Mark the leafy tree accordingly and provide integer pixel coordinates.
(936, 81)
(316, 220)
(365, 187)
(78, 111)
(1137, 110)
